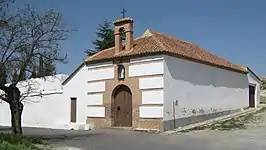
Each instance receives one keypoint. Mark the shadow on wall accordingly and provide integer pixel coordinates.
(200, 74)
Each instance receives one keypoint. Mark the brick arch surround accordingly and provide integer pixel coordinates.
(133, 84)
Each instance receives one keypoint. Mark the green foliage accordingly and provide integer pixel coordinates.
(49, 68)
(41, 67)
(105, 38)
(46, 67)
(11, 142)
(33, 73)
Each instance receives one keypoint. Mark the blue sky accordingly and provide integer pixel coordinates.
(232, 29)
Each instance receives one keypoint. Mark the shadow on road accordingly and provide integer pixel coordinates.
(52, 134)
(62, 137)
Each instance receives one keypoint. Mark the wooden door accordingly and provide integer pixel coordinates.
(73, 116)
(122, 107)
(251, 96)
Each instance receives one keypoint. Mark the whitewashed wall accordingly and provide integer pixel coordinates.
(87, 86)
(150, 72)
(255, 82)
(95, 74)
(201, 88)
(151, 111)
(152, 96)
(95, 99)
(98, 86)
(49, 110)
(76, 87)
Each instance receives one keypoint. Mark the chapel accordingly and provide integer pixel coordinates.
(156, 82)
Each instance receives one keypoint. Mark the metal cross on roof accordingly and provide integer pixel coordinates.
(124, 13)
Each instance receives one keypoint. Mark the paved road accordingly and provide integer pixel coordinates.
(252, 138)
(121, 140)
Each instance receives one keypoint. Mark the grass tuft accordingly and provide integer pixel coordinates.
(11, 142)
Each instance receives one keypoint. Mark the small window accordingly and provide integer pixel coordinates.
(252, 92)
(73, 111)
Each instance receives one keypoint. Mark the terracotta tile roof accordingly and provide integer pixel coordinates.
(152, 43)
(123, 19)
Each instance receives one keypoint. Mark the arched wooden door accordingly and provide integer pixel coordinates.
(122, 107)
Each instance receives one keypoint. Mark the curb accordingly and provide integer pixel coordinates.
(50, 147)
(147, 130)
(211, 121)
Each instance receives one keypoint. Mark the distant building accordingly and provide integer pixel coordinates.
(44, 105)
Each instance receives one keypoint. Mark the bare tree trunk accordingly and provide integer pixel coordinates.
(16, 108)
(15, 119)
(21, 106)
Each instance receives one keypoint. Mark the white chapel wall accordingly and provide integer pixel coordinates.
(75, 87)
(95, 99)
(96, 111)
(201, 89)
(100, 74)
(97, 74)
(255, 82)
(144, 66)
(150, 71)
(88, 85)
(98, 86)
(150, 82)
(152, 96)
(151, 111)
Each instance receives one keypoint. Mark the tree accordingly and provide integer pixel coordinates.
(49, 68)
(46, 67)
(41, 72)
(33, 73)
(3, 10)
(105, 38)
(27, 36)
(3, 76)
